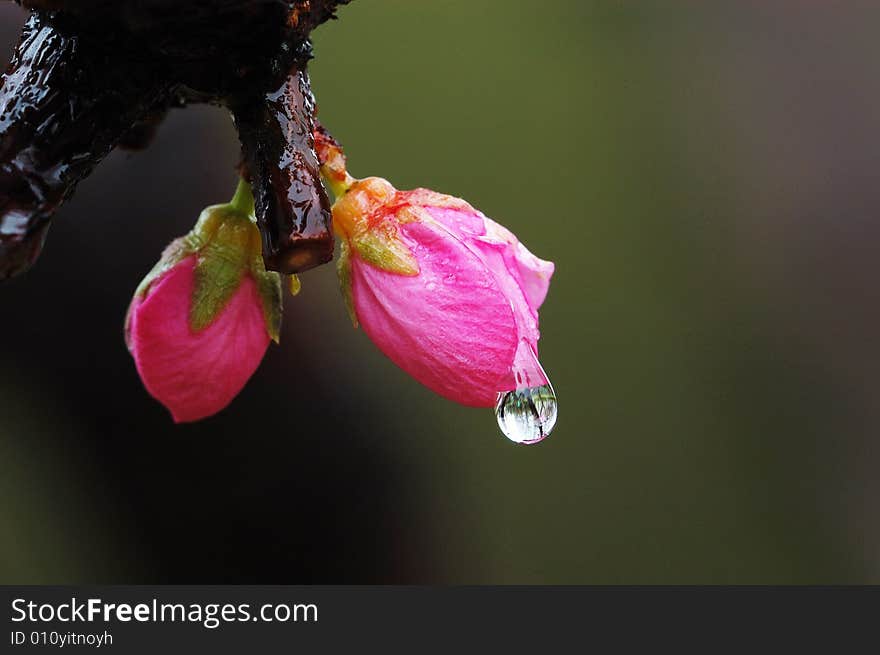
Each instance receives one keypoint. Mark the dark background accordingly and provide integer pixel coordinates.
(704, 175)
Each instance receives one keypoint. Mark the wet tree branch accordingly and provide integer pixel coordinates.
(89, 75)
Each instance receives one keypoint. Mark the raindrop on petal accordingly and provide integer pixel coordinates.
(527, 414)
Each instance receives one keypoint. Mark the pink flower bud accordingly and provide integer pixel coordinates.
(447, 294)
(201, 321)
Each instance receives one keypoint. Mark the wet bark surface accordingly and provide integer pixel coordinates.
(276, 129)
(90, 75)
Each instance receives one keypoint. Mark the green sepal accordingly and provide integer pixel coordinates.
(268, 282)
(232, 249)
(269, 286)
(223, 259)
(343, 272)
(382, 247)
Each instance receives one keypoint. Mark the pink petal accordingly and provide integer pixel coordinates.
(532, 273)
(464, 224)
(498, 249)
(451, 327)
(523, 278)
(195, 374)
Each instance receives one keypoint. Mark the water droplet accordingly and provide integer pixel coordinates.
(527, 415)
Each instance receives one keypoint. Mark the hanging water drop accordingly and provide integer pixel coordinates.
(527, 415)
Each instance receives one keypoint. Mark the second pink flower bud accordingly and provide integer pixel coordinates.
(201, 320)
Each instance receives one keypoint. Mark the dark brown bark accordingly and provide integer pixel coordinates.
(92, 74)
(61, 112)
(276, 126)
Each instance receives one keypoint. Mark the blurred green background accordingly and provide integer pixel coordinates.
(703, 176)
